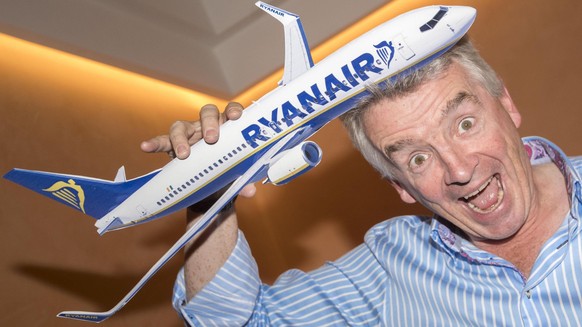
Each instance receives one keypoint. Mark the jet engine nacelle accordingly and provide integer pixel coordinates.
(294, 162)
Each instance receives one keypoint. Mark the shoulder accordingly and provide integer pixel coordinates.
(403, 242)
(398, 231)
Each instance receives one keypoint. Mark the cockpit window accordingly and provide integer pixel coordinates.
(432, 23)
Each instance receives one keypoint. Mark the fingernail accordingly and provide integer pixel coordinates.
(181, 150)
(210, 135)
(233, 113)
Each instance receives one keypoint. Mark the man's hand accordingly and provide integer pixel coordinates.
(183, 134)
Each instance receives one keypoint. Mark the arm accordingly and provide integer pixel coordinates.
(206, 254)
(350, 291)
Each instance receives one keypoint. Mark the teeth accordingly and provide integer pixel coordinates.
(481, 188)
(500, 195)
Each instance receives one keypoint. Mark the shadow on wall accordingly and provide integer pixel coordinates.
(100, 289)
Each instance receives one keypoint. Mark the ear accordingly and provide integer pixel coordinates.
(404, 195)
(510, 107)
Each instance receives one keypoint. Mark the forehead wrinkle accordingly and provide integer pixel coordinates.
(450, 107)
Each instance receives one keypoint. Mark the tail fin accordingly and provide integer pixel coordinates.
(297, 55)
(94, 197)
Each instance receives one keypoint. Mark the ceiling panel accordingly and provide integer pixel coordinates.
(220, 47)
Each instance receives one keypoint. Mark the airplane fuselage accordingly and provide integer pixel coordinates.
(311, 100)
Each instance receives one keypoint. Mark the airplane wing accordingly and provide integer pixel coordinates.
(248, 177)
(297, 55)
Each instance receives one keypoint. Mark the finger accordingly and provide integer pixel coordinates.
(157, 144)
(209, 121)
(179, 138)
(233, 110)
(248, 191)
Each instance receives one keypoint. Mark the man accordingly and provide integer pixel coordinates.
(501, 249)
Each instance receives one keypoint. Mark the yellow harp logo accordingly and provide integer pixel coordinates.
(69, 192)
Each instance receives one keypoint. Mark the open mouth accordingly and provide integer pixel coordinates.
(487, 197)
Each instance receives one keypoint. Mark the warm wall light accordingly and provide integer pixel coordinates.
(38, 64)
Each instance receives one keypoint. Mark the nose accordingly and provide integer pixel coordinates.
(459, 166)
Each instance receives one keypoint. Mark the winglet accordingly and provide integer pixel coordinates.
(297, 55)
(84, 316)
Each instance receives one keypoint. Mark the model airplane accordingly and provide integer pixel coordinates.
(269, 141)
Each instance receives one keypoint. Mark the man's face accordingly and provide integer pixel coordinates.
(456, 150)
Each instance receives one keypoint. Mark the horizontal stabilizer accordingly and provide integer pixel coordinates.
(94, 197)
(120, 177)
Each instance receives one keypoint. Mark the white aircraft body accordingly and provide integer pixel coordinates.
(269, 141)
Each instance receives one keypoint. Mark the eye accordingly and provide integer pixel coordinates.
(418, 160)
(466, 124)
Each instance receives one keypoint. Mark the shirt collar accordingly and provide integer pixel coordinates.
(540, 151)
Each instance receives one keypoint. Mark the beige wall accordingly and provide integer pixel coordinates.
(53, 260)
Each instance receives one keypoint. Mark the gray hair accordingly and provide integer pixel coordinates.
(463, 53)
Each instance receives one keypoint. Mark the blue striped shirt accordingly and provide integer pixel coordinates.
(410, 271)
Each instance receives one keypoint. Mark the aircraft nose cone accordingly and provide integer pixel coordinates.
(462, 17)
(466, 15)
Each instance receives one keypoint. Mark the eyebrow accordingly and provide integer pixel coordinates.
(455, 103)
(451, 106)
(397, 146)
